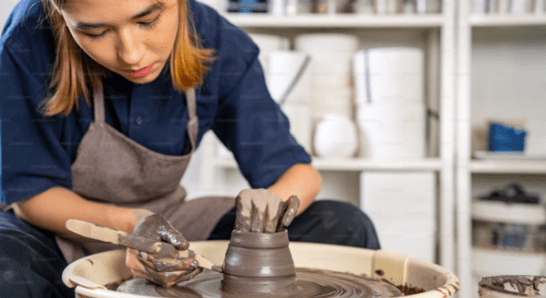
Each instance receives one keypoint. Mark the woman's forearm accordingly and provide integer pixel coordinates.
(51, 209)
(302, 180)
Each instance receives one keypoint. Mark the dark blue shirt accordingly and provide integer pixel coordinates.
(233, 101)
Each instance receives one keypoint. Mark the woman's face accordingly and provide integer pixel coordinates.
(133, 38)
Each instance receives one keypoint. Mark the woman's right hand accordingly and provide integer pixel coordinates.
(160, 270)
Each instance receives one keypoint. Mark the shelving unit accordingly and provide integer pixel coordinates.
(336, 21)
(358, 164)
(506, 20)
(493, 41)
(508, 167)
(435, 34)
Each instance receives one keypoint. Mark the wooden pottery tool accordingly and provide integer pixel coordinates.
(151, 246)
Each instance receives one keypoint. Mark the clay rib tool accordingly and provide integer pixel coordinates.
(163, 249)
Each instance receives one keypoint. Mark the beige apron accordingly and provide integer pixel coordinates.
(113, 169)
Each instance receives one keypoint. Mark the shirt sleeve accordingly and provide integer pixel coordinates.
(33, 158)
(249, 122)
(2, 198)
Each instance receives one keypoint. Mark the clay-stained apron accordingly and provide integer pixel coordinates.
(113, 169)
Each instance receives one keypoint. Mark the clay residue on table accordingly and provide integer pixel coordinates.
(380, 272)
(405, 289)
(409, 290)
(114, 285)
(525, 285)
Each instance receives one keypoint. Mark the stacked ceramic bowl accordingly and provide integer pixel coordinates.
(389, 92)
(331, 92)
(331, 56)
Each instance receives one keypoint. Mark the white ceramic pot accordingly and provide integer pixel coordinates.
(336, 136)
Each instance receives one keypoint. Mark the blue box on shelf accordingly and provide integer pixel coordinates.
(248, 6)
(505, 138)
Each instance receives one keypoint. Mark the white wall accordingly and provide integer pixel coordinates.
(6, 6)
(509, 80)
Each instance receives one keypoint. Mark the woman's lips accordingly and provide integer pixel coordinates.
(142, 72)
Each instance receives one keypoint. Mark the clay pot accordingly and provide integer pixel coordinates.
(259, 263)
(512, 286)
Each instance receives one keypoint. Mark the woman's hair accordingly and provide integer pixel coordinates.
(75, 72)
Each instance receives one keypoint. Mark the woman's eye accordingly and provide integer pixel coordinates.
(96, 36)
(149, 24)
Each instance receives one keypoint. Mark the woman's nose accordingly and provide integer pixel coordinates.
(130, 48)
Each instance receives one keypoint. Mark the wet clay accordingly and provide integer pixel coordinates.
(310, 283)
(259, 263)
(525, 285)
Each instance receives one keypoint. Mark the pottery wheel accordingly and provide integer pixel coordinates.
(311, 283)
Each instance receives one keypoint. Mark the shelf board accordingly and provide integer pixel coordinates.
(487, 20)
(359, 164)
(508, 166)
(337, 20)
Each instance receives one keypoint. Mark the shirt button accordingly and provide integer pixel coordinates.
(138, 120)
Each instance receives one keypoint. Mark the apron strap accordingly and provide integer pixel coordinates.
(193, 121)
(98, 101)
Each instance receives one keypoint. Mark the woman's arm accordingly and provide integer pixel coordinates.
(52, 208)
(302, 180)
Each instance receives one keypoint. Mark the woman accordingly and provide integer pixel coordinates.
(103, 103)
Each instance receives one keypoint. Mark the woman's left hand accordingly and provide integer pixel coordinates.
(160, 270)
(261, 211)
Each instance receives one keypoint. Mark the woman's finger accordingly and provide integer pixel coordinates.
(166, 279)
(256, 221)
(190, 275)
(171, 235)
(132, 260)
(275, 218)
(243, 215)
(158, 228)
(291, 211)
(167, 264)
(169, 279)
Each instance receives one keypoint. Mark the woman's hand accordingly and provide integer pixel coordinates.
(160, 270)
(261, 211)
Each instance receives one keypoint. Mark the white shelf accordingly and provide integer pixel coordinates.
(359, 164)
(339, 21)
(508, 166)
(485, 20)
